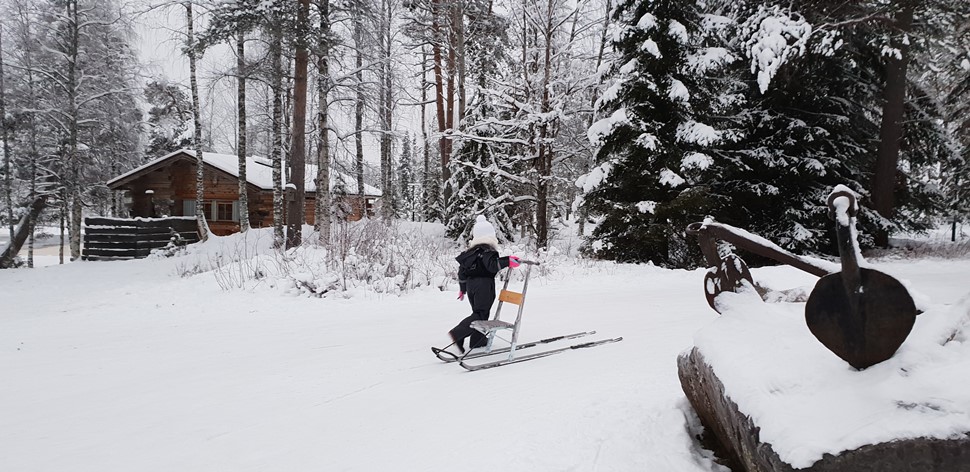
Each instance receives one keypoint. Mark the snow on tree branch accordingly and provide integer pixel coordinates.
(605, 126)
(774, 37)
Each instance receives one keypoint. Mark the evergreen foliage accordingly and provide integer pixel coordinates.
(783, 102)
(431, 197)
(808, 130)
(406, 202)
(169, 117)
(656, 157)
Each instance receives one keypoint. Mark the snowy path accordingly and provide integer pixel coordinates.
(125, 366)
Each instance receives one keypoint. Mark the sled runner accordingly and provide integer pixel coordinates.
(496, 328)
(448, 356)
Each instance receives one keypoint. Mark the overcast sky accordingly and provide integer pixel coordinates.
(160, 35)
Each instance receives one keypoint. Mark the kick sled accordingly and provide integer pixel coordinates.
(508, 351)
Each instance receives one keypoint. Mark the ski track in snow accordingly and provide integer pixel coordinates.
(126, 366)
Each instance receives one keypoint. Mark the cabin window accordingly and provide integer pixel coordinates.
(215, 210)
(188, 207)
(370, 206)
(224, 211)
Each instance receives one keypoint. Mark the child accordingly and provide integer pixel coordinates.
(477, 268)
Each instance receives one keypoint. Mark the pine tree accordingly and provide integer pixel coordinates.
(169, 114)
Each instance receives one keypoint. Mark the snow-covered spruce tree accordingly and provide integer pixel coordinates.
(431, 196)
(659, 139)
(807, 127)
(408, 201)
(814, 120)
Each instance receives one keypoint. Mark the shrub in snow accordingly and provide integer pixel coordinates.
(369, 256)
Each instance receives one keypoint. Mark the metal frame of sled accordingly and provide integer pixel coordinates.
(493, 327)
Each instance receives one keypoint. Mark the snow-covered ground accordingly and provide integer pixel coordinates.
(128, 366)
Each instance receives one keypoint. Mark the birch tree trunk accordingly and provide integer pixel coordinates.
(891, 129)
(241, 136)
(34, 154)
(7, 167)
(277, 89)
(74, 162)
(297, 162)
(458, 23)
(323, 201)
(196, 122)
(450, 82)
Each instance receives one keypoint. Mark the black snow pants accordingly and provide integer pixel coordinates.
(481, 295)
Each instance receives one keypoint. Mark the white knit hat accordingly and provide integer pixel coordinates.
(482, 228)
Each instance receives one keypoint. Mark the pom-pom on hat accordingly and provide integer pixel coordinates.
(482, 228)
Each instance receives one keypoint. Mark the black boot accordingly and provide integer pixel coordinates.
(459, 343)
(481, 341)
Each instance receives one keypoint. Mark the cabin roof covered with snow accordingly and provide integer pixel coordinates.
(259, 172)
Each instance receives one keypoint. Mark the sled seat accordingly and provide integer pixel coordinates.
(491, 325)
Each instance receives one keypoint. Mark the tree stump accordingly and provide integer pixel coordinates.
(737, 435)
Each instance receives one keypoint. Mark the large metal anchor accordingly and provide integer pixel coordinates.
(860, 314)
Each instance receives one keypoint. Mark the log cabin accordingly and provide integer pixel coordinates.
(166, 187)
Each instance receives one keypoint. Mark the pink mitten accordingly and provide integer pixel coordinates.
(514, 262)
(461, 295)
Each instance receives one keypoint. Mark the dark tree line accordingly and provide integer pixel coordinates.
(707, 116)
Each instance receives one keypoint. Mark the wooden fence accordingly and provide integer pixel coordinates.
(111, 239)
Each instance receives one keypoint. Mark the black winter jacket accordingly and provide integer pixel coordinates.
(479, 261)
